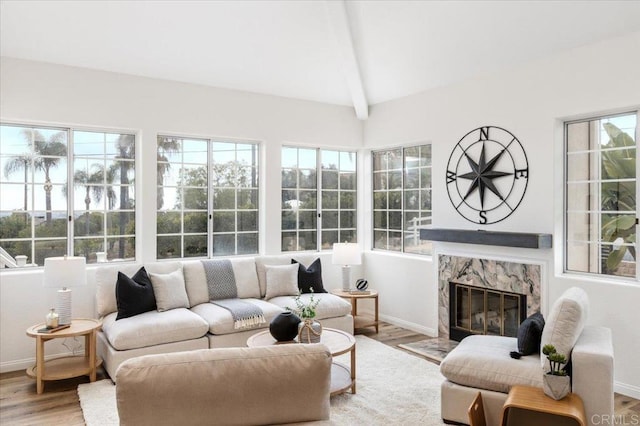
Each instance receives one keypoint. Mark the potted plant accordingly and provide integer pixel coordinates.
(309, 330)
(556, 383)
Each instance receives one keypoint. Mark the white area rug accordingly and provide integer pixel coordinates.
(393, 388)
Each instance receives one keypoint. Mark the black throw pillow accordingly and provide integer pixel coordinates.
(134, 295)
(310, 278)
(530, 334)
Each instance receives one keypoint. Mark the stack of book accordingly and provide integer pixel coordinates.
(54, 329)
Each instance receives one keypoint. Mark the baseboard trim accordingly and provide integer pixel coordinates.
(23, 364)
(409, 325)
(627, 390)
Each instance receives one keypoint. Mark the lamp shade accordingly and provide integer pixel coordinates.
(346, 254)
(67, 271)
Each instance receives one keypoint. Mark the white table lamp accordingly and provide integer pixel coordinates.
(67, 271)
(346, 254)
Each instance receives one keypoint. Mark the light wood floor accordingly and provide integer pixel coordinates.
(59, 404)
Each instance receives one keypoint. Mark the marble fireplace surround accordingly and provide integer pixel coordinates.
(511, 275)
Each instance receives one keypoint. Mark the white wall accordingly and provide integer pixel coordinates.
(41, 93)
(531, 102)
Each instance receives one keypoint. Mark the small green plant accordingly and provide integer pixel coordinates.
(305, 310)
(556, 360)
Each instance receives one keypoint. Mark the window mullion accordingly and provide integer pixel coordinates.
(318, 199)
(402, 174)
(637, 137)
(210, 192)
(70, 192)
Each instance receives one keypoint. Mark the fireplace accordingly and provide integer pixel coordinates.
(477, 310)
(510, 276)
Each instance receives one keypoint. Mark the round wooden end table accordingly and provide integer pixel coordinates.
(65, 367)
(338, 342)
(360, 321)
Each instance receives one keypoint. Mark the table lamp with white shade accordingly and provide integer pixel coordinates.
(65, 272)
(346, 254)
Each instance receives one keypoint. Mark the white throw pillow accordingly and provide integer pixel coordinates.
(246, 278)
(169, 290)
(565, 323)
(282, 280)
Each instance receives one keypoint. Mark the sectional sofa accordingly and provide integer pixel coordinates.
(199, 324)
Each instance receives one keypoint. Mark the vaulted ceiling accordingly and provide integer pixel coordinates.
(355, 53)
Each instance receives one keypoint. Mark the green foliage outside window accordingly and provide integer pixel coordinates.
(618, 195)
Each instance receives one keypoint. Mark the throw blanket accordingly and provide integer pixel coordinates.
(221, 282)
(244, 314)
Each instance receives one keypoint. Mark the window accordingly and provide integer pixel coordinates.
(41, 215)
(104, 197)
(600, 195)
(402, 198)
(304, 194)
(201, 179)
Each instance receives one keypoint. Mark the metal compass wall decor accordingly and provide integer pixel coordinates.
(487, 175)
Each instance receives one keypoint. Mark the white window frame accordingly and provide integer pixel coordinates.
(211, 210)
(404, 232)
(71, 190)
(319, 228)
(594, 261)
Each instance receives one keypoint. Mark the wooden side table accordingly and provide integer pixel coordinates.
(527, 405)
(360, 321)
(65, 367)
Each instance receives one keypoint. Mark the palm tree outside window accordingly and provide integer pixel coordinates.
(38, 205)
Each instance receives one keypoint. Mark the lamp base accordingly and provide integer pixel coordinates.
(346, 278)
(63, 306)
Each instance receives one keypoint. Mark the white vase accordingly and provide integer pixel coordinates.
(309, 331)
(556, 387)
(52, 319)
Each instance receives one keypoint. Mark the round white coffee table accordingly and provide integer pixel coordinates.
(338, 342)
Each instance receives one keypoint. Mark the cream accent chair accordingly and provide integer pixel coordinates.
(482, 364)
(227, 386)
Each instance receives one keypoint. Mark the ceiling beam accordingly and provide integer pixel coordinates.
(339, 23)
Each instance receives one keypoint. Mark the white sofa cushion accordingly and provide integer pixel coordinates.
(169, 290)
(565, 323)
(195, 282)
(281, 259)
(484, 362)
(246, 276)
(107, 276)
(153, 328)
(244, 271)
(261, 264)
(220, 321)
(330, 306)
(282, 280)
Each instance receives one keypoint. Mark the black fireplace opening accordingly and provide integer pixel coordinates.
(479, 310)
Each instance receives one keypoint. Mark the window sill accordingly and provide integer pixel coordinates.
(403, 255)
(599, 279)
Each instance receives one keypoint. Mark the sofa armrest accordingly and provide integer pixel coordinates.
(592, 373)
(229, 386)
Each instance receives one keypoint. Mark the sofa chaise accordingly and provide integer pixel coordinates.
(483, 364)
(199, 324)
